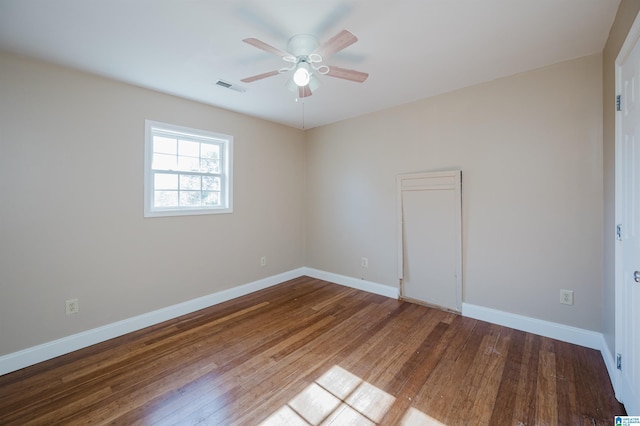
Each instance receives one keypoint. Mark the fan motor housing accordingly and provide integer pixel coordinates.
(302, 45)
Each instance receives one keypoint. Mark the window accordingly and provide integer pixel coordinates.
(187, 171)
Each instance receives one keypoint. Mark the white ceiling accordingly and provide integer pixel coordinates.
(411, 49)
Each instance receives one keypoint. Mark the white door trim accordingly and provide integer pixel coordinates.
(632, 38)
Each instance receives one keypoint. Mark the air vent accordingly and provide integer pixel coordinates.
(230, 86)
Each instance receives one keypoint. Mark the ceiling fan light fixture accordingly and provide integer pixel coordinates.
(306, 56)
(302, 75)
(314, 83)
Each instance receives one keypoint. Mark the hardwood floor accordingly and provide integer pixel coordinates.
(310, 352)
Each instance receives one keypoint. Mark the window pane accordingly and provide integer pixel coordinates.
(188, 171)
(165, 181)
(190, 182)
(189, 164)
(188, 148)
(190, 198)
(210, 198)
(164, 162)
(165, 198)
(210, 166)
(210, 150)
(164, 145)
(210, 183)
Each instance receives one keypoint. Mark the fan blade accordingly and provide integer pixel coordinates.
(266, 47)
(338, 42)
(304, 91)
(352, 75)
(260, 76)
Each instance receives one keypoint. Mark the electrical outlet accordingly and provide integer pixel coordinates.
(566, 297)
(72, 306)
(365, 262)
(263, 261)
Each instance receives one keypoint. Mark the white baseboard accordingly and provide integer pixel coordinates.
(30, 356)
(369, 286)
(566, 333)
(609, 361)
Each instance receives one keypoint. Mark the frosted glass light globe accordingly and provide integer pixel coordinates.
(301, 77)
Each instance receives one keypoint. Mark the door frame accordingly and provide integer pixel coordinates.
(449, 180)
(633, 37)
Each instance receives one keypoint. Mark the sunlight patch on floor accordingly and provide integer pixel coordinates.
(341, 398)
(415, 417)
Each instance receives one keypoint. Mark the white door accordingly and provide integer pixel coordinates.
(628, 215)
(430, 240)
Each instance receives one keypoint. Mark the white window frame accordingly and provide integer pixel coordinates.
(226, 167)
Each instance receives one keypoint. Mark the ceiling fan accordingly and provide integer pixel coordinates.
(306, 56)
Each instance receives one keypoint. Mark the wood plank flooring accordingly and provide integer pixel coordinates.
(311, 352)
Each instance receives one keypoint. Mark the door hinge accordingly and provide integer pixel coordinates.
(619, 361)
(618, 103)
(619, 232)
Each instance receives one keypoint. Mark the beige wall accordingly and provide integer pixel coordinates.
(530, 149)
(624, 19)
(71, 225)
(71, 210)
